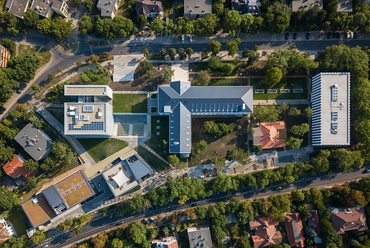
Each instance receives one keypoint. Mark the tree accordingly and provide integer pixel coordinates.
(172, 53)
(321, 162)
(163, 53)
(342, 158)
(157, 25)
(206, 25)
(173, 159)
(232, 21)
(239, 155)
(266, 113)
(215, 47)
(219, 163)
(277, 17)
(202, 145)
(308, 112)
(293, 111)
(30, 18)
(189, 52)
(136, 232)
(181, 52)
(22, 68)
(233, 47)
(203, 78)
(214, 63)
(146, 65)
(100, 240)
(273, 76)
(210, 127)
(146, 52)
(31, 165)
(201, 212)
(6, 152)
(167, 74)
(59, 149)
(116, 243)
(86, 25)
(300, 130)
(38, 237)
(293, 142)
(31, 183)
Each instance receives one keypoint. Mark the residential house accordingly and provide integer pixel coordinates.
(45, 8)
(294, 230)
(4, 56)
(182, 102)
(15, 169)
(264, 232)
(348, 219)
(34, 141)
(270, 135)
(297, 5)
(107, 8)
(197, 8)
(149, 8)
(199, 237)
(330, 101)
(168, 242)
(6, 230)
(246, 6)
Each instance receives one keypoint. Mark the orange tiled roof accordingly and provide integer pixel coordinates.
(14, 168)
(268, 135)
(265, 233)
(294, 229)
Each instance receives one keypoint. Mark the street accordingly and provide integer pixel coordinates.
(104, 224)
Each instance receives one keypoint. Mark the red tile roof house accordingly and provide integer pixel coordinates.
(169, 242)
(265, 232)
(348, 219)
(294, 230)
(16, 170)
(270, 135)
(149, 8)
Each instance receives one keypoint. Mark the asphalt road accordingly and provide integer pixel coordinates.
(103, 224)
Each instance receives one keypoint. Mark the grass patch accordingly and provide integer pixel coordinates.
(159, 139)
(228, 81)
(130, 103)
(99, 149)
(19, 219)
(152, 160)
(43, 56)
(58, 113)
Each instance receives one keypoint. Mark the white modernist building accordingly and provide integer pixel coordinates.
(90, 114)
(330, 100)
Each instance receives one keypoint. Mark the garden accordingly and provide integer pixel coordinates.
(100, 149)
(130, 103)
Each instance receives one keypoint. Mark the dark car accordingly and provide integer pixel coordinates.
(287, 36)
(278, 188)
(366, 171)
(355, 35)
(19, 91)
(295, 36)
(329, 35)
(309, 181)
(308, 36)
(195, 204)
(337, 35)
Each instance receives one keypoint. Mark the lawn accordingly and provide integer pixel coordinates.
(152, 160)
(58, 113)
(18, 218)
(99, 149)
(43, 56)
(219, 146)
(228, 81)
(159, 139)
(286, 83)
(130, 103)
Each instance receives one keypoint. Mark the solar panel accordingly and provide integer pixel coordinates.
(91, 126)
(88, 108)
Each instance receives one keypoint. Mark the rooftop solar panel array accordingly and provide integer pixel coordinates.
(91, 126)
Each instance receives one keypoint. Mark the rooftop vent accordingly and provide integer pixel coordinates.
(335, 210)
(334, 93)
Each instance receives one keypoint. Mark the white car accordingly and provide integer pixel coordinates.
(190, 38)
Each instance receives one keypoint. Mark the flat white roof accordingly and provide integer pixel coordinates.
(88, 90)
(335, 105)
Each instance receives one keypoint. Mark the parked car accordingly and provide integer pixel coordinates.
(295, 36)
(278, 188)
(19, 91)
(287, 36)
(308, 36)
(190, 38)
(337, 35)
(329, 35)
(366, 171)
(182, 38)
(355, 35)
(195, 204)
